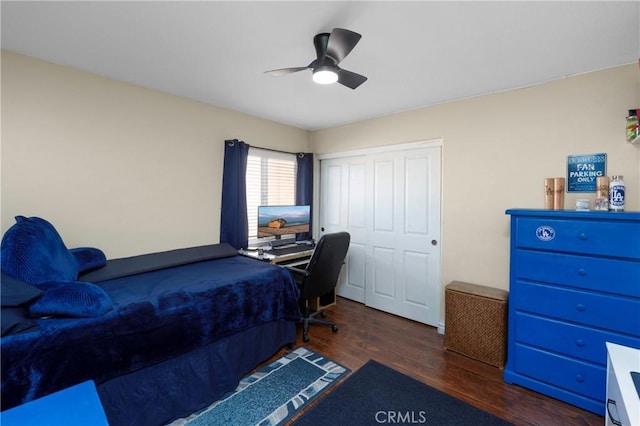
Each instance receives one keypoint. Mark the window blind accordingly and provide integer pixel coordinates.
(271, 181)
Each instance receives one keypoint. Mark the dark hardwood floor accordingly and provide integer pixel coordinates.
(417, 350)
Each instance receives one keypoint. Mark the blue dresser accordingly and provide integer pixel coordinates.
(574, 285)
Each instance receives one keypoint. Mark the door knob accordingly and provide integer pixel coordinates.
(434, 242)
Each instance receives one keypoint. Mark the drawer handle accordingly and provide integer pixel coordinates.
(615, 420)
(583, 236)
(580, 342)
(579, 378)
(580, 307)
(582, 272)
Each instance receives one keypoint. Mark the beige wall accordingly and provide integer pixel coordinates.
(497, 149)
(132, 170)
(115, 166)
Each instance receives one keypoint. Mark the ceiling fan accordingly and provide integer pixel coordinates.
(331, 49)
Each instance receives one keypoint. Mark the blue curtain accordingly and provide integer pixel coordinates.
(304, 187)
(234, 228)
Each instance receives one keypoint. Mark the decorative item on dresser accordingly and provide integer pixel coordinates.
(573, 287)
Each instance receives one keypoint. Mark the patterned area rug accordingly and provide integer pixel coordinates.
(274, 394)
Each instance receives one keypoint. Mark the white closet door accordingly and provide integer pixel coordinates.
(390, 203)
(343, 208)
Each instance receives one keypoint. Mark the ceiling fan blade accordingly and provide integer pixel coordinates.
(341, 42)
(285, 71)
(320, 43)
(350, 79)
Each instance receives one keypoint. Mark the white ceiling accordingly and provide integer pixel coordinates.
(415, 54)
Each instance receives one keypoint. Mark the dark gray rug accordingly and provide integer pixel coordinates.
(377, 394)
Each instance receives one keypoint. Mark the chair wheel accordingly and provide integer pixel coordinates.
(334, 328)
(305, 337)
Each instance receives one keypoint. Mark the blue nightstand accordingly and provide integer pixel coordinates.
(78, 405)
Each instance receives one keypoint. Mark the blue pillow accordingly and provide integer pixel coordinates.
(14, 320)
(71, 299)
(14, 292)
(33, 251)
(88, 258)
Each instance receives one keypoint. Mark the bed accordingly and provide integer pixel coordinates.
(176, 331)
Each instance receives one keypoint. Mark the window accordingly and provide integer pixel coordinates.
(271, 181)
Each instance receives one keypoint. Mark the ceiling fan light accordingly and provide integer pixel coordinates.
(325, 76)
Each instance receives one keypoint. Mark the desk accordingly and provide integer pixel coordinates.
(298, 260)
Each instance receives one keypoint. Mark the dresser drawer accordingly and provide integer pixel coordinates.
(594, 273)
(614, 313)
(588, 344)
(575, 376)
(606, 238)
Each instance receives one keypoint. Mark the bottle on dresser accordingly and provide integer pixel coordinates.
(616, 194)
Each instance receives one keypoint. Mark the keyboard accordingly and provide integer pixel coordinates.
(298, 248)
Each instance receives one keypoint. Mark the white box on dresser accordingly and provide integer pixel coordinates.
(623, 401)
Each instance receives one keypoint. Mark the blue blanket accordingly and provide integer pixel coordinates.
(158, 315)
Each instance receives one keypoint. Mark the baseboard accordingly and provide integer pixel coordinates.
(441, 327)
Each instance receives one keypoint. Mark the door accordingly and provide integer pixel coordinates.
(343, 206)
(389, 201)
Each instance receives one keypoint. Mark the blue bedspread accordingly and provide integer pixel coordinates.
(158, 315)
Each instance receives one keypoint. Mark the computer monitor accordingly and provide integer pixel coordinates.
(276, 221)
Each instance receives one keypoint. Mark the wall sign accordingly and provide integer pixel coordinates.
(583, 170)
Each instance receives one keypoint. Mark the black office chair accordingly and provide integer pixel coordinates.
(320, 276)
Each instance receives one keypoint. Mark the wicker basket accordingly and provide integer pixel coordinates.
(476, 322)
